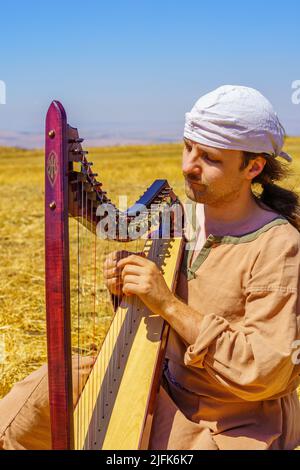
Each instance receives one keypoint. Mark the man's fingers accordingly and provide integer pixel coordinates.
(115, 256)
(113, 284)
(131, 288)
(112, 273)
(130, 280)
(132, 269)
(132, 259)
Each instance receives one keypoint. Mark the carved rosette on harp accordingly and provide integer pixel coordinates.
(102, 385)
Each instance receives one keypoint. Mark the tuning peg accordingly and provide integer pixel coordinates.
(79, 151)
(96, 183)
(76, 141)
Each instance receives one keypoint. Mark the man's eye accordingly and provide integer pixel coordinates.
(188, 147)
(209, 159)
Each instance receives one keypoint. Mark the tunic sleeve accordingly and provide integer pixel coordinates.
(255, 360)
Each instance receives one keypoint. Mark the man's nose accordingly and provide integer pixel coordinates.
(191, 167)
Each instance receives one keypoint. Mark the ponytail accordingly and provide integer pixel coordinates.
(284, 201)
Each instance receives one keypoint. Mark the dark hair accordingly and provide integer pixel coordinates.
(281, 200)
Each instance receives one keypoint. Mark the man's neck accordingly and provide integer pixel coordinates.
(231, 213)
(235, 218)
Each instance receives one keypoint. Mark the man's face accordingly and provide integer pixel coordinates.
(212, 175)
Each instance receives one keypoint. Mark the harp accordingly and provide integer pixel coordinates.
(123, 341)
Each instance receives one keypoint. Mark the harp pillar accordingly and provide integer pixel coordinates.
(57, 277)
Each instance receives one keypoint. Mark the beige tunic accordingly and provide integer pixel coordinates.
(235, 387)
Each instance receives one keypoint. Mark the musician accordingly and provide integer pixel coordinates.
(231, 372)
(231, 369)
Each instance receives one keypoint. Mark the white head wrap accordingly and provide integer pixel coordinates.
(237, 118)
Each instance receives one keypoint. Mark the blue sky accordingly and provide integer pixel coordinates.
(135, 67)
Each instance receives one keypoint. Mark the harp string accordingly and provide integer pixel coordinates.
(94, 261)
(115, 304)
(82, 264)
(78, 303)
(105, 391)
(91, 318)
(78, 306)
(93, 345)
(90, 311)
(77, 326)
(111, 371)
(86, 269)
(79, 214)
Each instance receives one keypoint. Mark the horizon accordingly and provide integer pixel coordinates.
(127, 72)
(289, 140)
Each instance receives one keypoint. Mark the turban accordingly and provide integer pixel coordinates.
(236, 118)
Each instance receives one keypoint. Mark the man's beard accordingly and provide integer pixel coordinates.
(196, 190)
(205, 194)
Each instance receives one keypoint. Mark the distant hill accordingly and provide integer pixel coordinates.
(105, 135)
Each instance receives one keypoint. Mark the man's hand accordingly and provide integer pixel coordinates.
(130, 274)
(112, 274)
(143, 278)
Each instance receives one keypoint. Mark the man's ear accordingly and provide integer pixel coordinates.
(255, 167)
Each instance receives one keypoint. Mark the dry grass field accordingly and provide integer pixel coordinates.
(123, 170)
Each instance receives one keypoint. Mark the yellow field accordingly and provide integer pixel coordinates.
(123, 170)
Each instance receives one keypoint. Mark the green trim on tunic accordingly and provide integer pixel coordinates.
(214, 240)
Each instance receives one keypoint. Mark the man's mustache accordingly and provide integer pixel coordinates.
(194, 180)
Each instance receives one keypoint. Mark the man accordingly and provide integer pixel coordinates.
(230, 375)
(230, 381)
